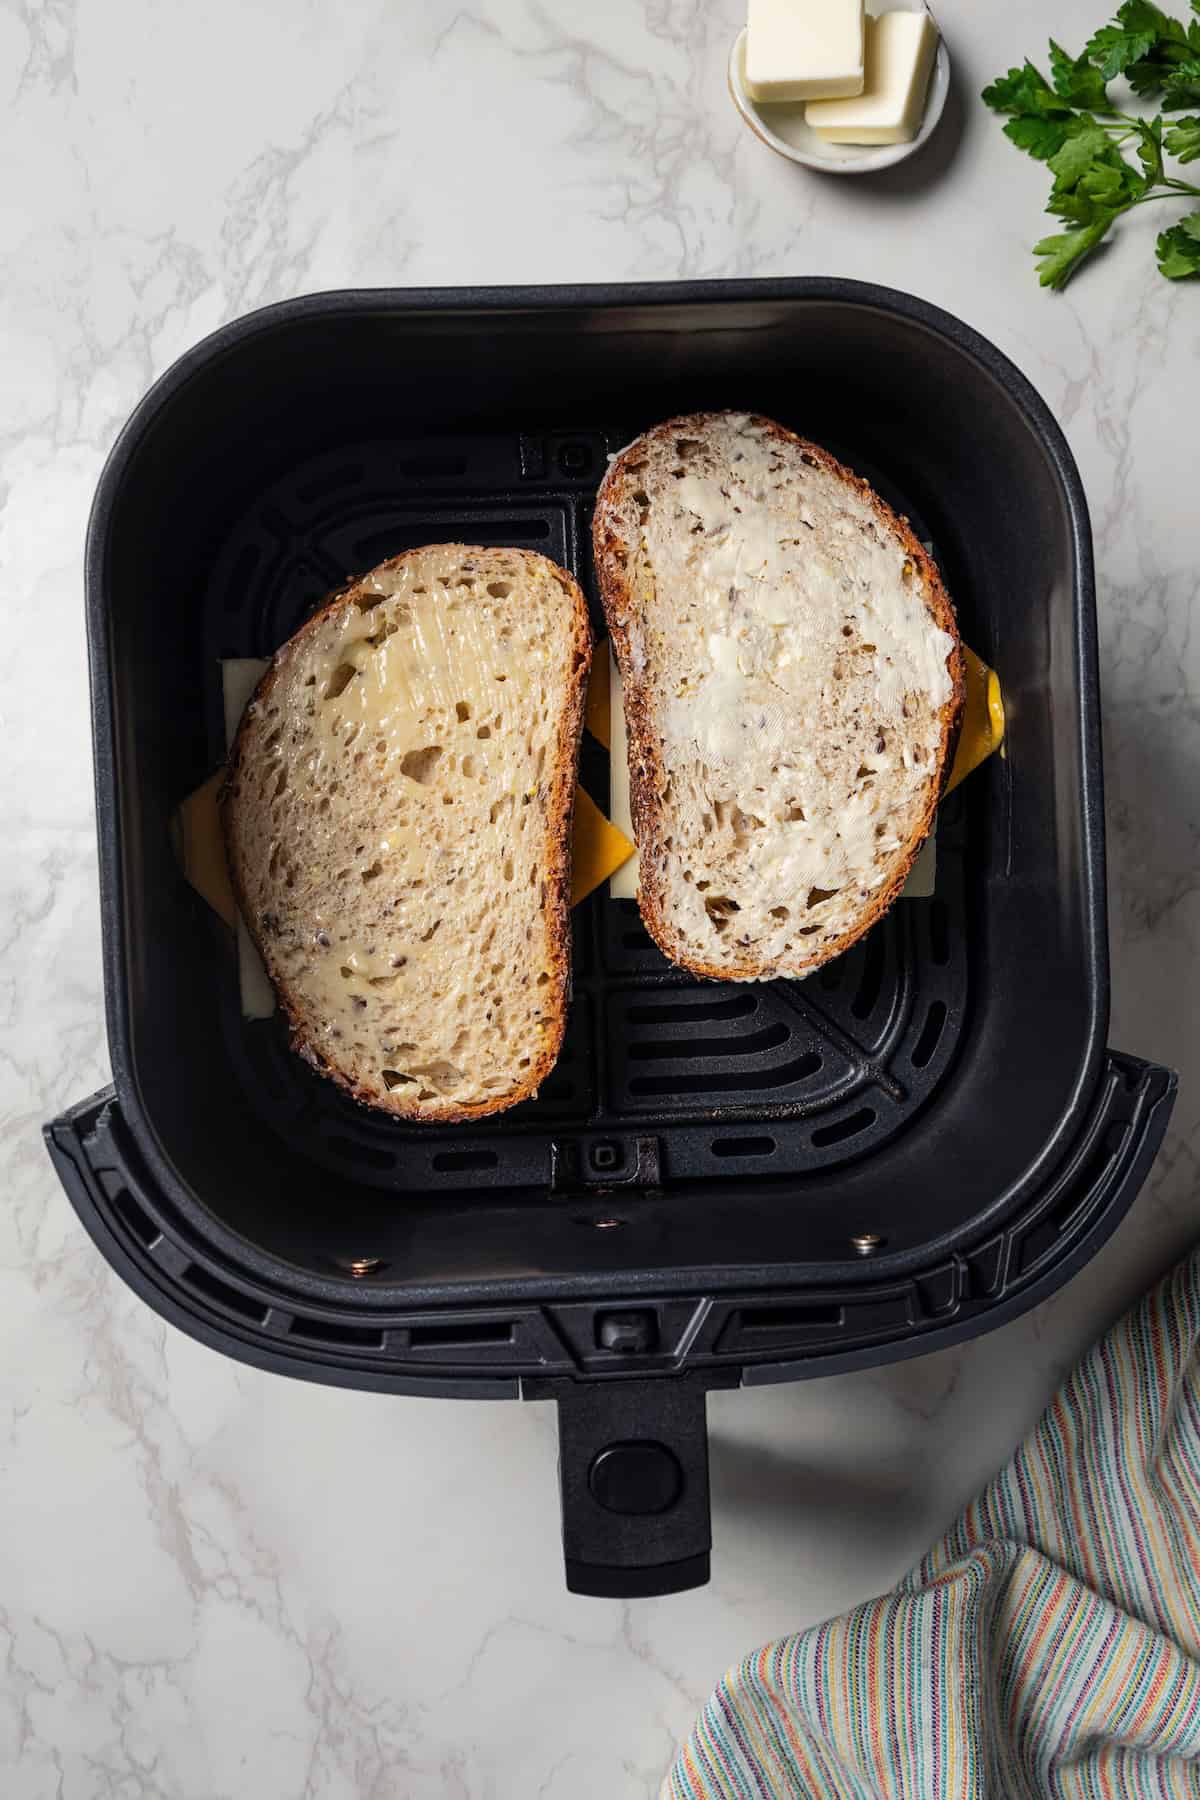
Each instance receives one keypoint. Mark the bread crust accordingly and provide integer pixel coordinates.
(647, 770)
(445, 1110)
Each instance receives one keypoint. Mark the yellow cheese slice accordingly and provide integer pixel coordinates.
(204, 849)
(598, 849)
(982, 729)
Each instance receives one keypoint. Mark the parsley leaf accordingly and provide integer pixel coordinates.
(1150, 149)
(1179, 249)
(1060, 257)
(1100, 190)
(1042, 119)
(1146, 76)
(1025, 90)
(1114, 50)
(1183, 139)
(1077, 81)
(1181, 86)
(1040, 137)
(1078, 152)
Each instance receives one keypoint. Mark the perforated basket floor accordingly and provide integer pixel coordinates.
(661, 1077)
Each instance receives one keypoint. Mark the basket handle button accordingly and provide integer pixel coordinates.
(636, 1477)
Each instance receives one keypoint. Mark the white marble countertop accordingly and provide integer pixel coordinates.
(219, 1583)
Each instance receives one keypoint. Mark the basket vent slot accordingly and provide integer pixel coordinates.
(330, 1331)
(731, 1081)
(841, 1129)
(1084, 1186)
(798, 1317)
(688, 1012)
(134, 1219)
(743, 1146)
(465, 1335)
(210, 1285)
(867, 997)
(930, 1036)
(753, 1044)
(448, 1162)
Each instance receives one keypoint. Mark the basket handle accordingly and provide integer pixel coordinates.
(633, 1477)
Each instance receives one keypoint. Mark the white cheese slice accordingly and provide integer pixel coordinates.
(900, 48)
(799, 49)
(922, 877)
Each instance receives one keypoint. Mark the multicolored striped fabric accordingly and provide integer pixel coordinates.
(1049, 1645)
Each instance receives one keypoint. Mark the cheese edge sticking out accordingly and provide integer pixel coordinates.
(598, 710)
(598, 847)
(922, 877)
(196, 828)
(803, 49)
(900, 51)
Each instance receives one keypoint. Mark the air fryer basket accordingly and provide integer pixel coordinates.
(719, 1184)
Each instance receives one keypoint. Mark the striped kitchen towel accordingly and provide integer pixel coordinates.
(1049, 1645)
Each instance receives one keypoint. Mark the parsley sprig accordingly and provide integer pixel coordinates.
(1070, 123)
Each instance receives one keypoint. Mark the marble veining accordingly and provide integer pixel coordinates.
(215, 1583)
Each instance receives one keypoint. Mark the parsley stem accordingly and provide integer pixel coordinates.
(1170, 192)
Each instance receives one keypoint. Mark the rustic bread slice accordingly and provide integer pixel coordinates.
(793, 686)
(397, 815)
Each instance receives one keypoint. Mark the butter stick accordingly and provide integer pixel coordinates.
(799, 49)
(900, 48)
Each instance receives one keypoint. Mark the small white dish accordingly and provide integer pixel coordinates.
(781, 125)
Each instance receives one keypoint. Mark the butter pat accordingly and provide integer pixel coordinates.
(900, 48)
(799, 49)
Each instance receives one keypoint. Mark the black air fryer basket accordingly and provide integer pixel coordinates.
(719, 1185)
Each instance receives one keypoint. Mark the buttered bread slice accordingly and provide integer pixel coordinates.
(793, 685)
(397, 815)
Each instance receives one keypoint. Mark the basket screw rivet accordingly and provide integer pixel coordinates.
(358, 1266)
(867, 1243)
(607, 1224)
